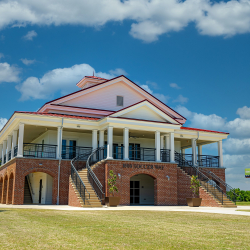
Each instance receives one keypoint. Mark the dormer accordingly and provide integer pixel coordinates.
(89, 81)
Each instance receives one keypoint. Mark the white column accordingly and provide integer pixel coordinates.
(199, 155)
(183, 151)
(1, 153)
(110, 143)
(59, 142)
(4, 151)
(194, 151)
(14, 139)
(167, 142)
(94, 139)
(101, 138)
(125, 144)
(20, 140)
(172, 150)
(8, 147)
(162, 141)
(158, 146)
(220, 154)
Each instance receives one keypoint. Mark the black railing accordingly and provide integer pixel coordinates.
(9, 155)
(4, 159)
(39, 150)
(142, 154)
(76, 165)
(95, 156)
(165, 155)
(70, 152)
(227, 188)
(15, 151)
(183, 159)
(208, 161)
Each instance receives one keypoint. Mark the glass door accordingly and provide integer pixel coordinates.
(134, 192)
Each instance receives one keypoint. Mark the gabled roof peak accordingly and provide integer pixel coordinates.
(89, 81)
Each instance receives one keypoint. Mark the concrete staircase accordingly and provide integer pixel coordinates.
(215, 192)
(93, 201)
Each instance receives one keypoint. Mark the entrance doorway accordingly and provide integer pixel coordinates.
(142, 190)
(38, 188)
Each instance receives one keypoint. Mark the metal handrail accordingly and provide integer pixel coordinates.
(78, 180)
(94, 157)
(223, 183)
(205, 181)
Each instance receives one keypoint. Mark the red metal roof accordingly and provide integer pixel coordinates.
(204, 130)
(60, 115)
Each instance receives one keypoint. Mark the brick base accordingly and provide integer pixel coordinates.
(171, 184)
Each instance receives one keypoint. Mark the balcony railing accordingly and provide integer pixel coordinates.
(39, 150)
(70, 152)
(9, 155)
(4, 159)
(165, 155)
(142, 154)
(208, 161)
(15, 151)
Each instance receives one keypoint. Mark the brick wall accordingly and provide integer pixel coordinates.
(167, 191)
(24, 166)
(73, 199)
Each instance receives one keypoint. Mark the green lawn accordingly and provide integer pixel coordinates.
(243, 203)
(49, 229)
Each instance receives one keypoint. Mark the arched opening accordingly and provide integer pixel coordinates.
(142, 190)
(10, 191)
(38, 188)
(1, 189)
(5, 189)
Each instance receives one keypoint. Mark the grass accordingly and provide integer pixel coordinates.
(243, 210)
(50, 229)
(243, 203)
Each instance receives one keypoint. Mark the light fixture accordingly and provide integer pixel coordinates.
(119, 175)
(40, 164)
(168, 177)
(78, 126)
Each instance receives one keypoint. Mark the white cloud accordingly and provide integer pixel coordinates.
(181, 99)
(9, 73)
(30, 35)
(161, 97)
(1, 55)
(2, 122)
(244, 112)
(174, 85)
(150, 19)
(27, 61)
(61, 79)
(118, 72)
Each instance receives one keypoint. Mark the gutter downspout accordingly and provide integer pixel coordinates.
(196, 151)
(59, 164)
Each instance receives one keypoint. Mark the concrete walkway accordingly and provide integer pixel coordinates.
(216, 210)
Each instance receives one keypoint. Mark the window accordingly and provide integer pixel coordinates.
(119, 100)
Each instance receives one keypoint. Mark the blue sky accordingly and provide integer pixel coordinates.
(193, 55)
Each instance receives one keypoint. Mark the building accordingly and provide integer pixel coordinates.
(107, 125)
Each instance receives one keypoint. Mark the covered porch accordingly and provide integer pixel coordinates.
(118, 143)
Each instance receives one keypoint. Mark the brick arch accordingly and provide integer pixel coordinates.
(10, 188)
(141, 172)
(1, 188)
(155, 182)
(43, 170)
(5, 185)
(46, 171)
